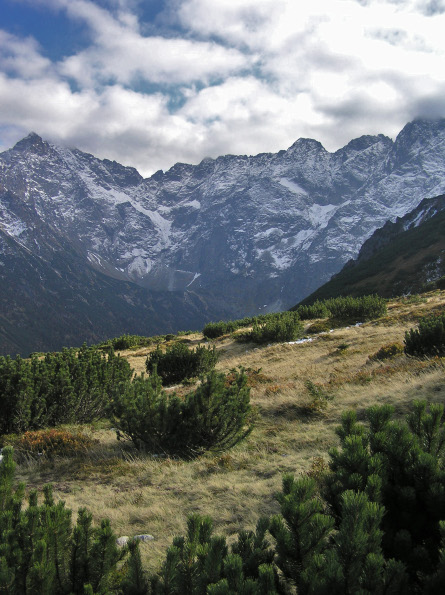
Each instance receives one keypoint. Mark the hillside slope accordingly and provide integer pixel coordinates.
(154, 494)
(51, 297)
(400, 258)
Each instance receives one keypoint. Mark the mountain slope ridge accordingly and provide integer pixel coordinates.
(400, 258)
(243, 234)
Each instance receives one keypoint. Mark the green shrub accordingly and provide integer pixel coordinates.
(212, 330)
(214, 417)
(428, 339)
(380, 527)
(200, 563)
(127, 342)
(398, 465)
(278, 329)
(73, 386)
(179, 362)
(42, 552)
(387, 352)
(316, 310)
(356, 309)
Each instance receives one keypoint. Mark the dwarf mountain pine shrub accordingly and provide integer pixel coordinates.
(316, 310)
(356, 309)
(179, 362)
(212, 330)
(286, 327)
(400, 467)
(72, 386)
(41, 552)
(428, 339)
(215, 416)
(200, 563)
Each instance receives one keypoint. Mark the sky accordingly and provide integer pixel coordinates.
(149, 83)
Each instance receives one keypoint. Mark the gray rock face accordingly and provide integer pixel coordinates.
(241, 234)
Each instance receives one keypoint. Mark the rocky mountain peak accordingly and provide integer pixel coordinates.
(244, 234)
(305, 145)
(32, 143)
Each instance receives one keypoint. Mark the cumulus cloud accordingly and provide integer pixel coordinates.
(209, 77)
(22, 57)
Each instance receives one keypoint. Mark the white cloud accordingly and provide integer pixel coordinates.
(247, 76)
(127, 58)
(22, 57)
(120, 53)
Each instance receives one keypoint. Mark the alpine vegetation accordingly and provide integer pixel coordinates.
(215, 416)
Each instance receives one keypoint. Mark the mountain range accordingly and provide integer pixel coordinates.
(90, 249)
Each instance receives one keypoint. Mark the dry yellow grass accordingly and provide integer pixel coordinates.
(146, 494)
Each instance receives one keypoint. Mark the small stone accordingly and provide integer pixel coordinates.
(145, 537)
(121, 541)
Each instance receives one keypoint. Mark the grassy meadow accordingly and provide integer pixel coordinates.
(299, 392)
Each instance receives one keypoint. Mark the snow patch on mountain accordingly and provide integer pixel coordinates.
(13, 228)
(293, 186)
(320, 215)
(140, 266)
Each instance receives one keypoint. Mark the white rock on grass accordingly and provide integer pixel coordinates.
(121, 541)
(144, 537)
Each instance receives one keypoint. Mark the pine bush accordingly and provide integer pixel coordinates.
(356, 309)
(41, 552)
(216, 416)
(400, 467)
(316, 310)
(428, 339)
(212, 330)
(73, 386)
(200, 563)
(279, 329)
(179, 362)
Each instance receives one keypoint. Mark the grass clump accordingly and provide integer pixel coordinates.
(49, 443)
(320, 326)
(387, 352)
(320, 398)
